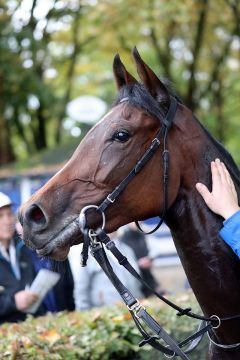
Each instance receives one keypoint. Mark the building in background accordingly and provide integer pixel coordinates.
(20, 185)
(20, 180)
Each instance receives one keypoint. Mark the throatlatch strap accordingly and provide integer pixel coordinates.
(165, 160)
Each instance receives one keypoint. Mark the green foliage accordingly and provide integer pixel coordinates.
(67, 50)
(101, 334)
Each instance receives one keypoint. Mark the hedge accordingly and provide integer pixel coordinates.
(103, 333)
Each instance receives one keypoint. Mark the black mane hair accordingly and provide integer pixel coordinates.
(225, 156)
(138, 96)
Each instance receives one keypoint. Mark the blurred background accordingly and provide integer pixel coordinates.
(56, 73)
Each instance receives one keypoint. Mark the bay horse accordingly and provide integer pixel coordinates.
(107, 154)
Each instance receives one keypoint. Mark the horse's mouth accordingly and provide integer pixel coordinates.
(58, 248)
(59, 254)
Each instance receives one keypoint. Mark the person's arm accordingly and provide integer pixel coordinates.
(223, 200)
(231, 232)
(19, 302)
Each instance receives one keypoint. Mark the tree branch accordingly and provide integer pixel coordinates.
(162, 56)
(70, 73)
(190, 100)
(218, 64)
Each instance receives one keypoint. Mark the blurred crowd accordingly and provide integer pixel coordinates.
(77, 288)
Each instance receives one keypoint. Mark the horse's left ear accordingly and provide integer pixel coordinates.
(153, 84)
(122, 76)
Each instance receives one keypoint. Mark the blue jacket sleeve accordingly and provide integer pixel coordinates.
(231, 232)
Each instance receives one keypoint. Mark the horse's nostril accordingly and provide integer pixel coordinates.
(35, 215)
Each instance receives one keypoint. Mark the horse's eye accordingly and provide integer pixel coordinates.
(121, 135)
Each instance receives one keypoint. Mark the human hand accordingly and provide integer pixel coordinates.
(24, 299)
(223, 199)
(145, 262)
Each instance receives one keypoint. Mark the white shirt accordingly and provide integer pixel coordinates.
(11, 257)
(91, 285)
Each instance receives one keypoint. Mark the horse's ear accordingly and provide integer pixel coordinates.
(153, 84)
(122, 76)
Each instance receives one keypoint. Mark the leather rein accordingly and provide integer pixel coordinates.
(96, 238)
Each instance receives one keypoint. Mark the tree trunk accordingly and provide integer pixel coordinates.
(190, 98)
(6, 150)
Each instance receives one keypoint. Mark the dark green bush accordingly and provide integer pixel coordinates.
(100, 334)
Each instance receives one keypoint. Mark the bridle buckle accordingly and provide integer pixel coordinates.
(110, 200)
(135, 308)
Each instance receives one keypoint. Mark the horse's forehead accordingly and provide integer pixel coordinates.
(120, 115)
(121, 112)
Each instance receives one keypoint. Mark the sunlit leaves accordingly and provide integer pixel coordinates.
(66, 50)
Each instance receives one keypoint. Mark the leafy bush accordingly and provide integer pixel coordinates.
(106, 333)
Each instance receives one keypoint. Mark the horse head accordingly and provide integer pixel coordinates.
(103, 158)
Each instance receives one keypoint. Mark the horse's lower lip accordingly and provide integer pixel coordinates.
(63, 240)
(52, 248)
(58, 252)
(58, 247)
(43, 251)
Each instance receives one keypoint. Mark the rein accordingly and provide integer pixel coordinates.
(136, 309)
(96, 239)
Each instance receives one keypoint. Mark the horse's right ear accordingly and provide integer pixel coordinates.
(121, 75)
(153, 84)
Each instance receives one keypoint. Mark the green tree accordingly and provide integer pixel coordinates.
(54, 52)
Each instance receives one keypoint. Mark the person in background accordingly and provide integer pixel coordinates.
(60, 297)
(16, 269)
(223, 200)
(135, 239)
(92, 286)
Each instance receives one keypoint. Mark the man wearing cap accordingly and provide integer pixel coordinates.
(16, 269)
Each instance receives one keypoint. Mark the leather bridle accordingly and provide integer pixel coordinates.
(162, 133)
(96, 238)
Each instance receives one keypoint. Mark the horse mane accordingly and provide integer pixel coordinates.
(225, 156)
(139, 97)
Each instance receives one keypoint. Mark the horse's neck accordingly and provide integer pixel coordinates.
(211, 267)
